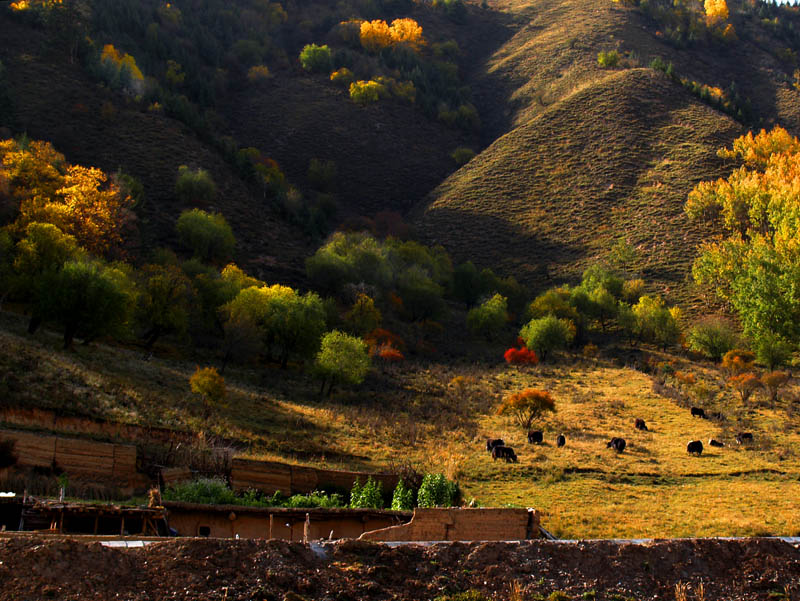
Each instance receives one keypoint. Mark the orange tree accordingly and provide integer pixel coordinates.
(527, 405)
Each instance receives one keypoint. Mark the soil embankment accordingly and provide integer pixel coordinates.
(251, 570)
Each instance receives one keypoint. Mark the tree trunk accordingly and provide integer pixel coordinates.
(34, 324)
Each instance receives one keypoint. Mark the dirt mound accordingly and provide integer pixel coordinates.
(32, 568)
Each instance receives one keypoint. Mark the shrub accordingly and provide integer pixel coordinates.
(462, 155)
(342, 358)
(738, 361)
(343, 77)
(436, 491)
(521, 355)
(258, 74)
(207, 235)
(772, 350)
(712, 337)
(465, 117)
(403, 497)
(745, 385)
(368, 496)
(322, 174)
(608, 60)
(366, 92)
(315, 59)
(773, 382)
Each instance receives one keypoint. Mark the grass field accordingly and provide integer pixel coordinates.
(436, 417)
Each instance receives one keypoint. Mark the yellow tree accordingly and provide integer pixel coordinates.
(375, 35)
(406, 31)
(207, 382)
(716, 12)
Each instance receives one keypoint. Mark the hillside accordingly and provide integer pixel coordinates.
(592, 155)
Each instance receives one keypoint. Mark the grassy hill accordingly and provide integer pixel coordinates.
(437, 416)
(593, 155)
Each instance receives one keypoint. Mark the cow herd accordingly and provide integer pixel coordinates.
(497, 447)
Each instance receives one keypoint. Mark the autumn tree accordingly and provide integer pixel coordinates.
(713, 337)
(745, 384)
(738, 361)
(207, 235)
(341, 358)
(210, 385)
(526, 406)
(754, 266)
(716, 12)
(773, 382)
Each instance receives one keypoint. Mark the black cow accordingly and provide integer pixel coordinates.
(618, 444)
(640, 425)
(503, 452)
(535, 436)
(697, 412)
(743, 437)
(715, 443)
(561, 440)
(494, 442)
(695, 447)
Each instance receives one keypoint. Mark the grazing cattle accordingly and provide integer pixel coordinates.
(561, 440)
(743, 437)
(640, 425)
(535, 436)
(618, 444)
(715, 443)
(503, 452)
(695, 447)
(697, 412)
(494, 442)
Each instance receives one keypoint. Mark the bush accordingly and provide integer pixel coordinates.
(211, 491)
(207, 235)
(343, 77)
(462, 155)
(436, 491)
(342, 358)
(489, 318)
(608, 60)
(316, 59)
(366, 92)
(772, 350)
(207, 382)
(403, 497)
(194, 186)
(369, 495)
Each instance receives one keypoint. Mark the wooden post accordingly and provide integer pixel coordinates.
(270, 524)
(122, 527)
(307, 529)
(61, 523)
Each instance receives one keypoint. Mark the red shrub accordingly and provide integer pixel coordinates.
(520, 356)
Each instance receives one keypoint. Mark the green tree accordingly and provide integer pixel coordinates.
(290, 323)
(207, 235)
(547, 334)
(352, 257)
(436, 491)
(164, 302)
(45, 248)
(712, 337)
(364, 316)
(468, 284)
(656, 322)
(403, 497)
(342, 358)
(368, 495)
(86, 298)
(195, 186)
(316, 59)
(772, 350)
(422, 296)
(489, 318)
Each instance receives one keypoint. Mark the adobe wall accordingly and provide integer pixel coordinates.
(75, 456)
(270, 477)
(247, 525)
(456, 524)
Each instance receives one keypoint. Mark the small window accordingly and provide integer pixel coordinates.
(204, 531)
